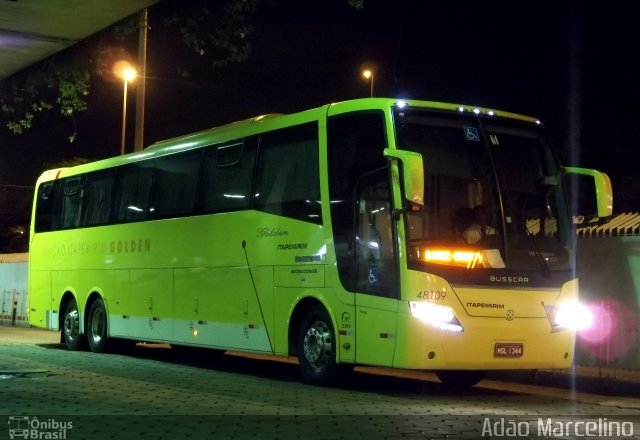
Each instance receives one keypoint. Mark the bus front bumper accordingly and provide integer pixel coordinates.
(483, 343)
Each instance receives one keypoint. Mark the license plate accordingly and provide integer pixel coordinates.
(510, 350)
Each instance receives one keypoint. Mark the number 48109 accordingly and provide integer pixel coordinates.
(433, 295)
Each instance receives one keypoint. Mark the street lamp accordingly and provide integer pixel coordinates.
(127, 73)
(368, 74)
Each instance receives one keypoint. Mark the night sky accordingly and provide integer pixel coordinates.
(569, 63)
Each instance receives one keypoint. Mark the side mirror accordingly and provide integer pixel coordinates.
(412, 172)
(604, 193)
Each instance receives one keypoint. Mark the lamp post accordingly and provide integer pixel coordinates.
(368, 74)
(127, 73)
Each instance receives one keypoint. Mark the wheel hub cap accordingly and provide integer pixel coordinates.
(318, 345)
(71, 322)
(97, 325)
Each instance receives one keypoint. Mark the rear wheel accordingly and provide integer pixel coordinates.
(317, 349)
(71, 326)
(97, 326)
(460, 379)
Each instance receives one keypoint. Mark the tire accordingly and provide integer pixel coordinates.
(97, 326)
(316, 346)
(71, 327)
(460, 379)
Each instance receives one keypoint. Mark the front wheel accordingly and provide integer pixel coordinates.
(71, 327)
(317, 347)
(97, 326)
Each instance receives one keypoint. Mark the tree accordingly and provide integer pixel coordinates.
(52, 85)
(216, 32)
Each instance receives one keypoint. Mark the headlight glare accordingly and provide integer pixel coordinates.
(571, 315)
(439, 316)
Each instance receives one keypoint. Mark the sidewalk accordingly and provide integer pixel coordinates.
(23, 334)
(597, 380)
(605, 381)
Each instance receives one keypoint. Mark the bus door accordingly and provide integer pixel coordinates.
(376, 271)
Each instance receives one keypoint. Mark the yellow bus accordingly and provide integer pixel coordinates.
(407, 234)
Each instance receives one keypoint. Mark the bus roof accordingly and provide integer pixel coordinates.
(258, 124)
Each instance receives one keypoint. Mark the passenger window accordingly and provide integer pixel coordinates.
(227, 176)
(71, 202)
(176, 184)
(133, 190)
(98, 195)
(287, 180)
(45, 207)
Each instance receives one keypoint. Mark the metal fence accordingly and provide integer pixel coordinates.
(622, 225)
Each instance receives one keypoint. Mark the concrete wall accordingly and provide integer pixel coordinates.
(13, 287)
(609, 271)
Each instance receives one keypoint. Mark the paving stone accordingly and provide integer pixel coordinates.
(151, 393)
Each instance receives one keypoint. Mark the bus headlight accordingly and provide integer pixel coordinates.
(566, 316)
(441, 317)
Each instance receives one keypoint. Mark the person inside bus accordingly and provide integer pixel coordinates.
(462, 220)
(480, 225)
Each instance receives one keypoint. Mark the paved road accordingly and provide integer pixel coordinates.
(151, 392)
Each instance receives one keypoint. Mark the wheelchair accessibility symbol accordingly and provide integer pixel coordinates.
(374, 274)
(471, 133)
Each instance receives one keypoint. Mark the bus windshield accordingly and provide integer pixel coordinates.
(493, 195)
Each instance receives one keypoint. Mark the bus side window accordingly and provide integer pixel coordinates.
(71, 202)
(175, 184)
(227, 176)
(287, 180)
(98, 195)
(355, 144)
(133, 190)
(375, 249)
(45, 207)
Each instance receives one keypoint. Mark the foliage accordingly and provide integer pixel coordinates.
(66, 163)
(216, 31)
(57, 83)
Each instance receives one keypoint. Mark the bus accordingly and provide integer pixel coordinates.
(405, 234)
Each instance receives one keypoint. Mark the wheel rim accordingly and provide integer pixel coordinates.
(318, 345)
(97, 325)
(72, 324)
